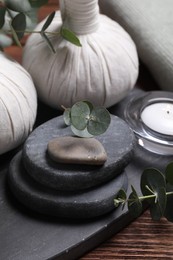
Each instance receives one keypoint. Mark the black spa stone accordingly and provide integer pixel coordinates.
(118, 142)
(89, 203)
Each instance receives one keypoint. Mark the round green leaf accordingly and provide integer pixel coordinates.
(169, 208)
(67, 116)
(169, 173)
(89, 104)
(19, 24)
(134, 204)
(158, 206)
(153, 183)
(81, 133)
(80, 113)
(120, 198)
(121, 195)
(99, 121)
(152, 178)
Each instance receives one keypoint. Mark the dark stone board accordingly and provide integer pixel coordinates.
(27, 235)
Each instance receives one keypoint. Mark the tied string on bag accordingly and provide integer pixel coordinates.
(81, 17)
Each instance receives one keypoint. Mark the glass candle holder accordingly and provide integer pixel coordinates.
(150, 115)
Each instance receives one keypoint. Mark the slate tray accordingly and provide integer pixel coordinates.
(30, 236)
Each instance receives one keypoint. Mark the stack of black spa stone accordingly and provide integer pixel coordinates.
(71, 190)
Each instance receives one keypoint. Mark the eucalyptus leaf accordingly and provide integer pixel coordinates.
(157, 208)
(169, 205)
(153, 179)
(122, 195)
(80, 113)
(70, 36)
(169, 173)
(153, 183)
(134, 204)
(89, 104)
(120, 198)
(99, 121)
(38, 3)
(48, 21)
(83, 133)
(19, 25)
(15, 37)
(2, 16)
(67, 116)
(45, 37)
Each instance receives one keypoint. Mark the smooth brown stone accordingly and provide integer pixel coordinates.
(68, 149)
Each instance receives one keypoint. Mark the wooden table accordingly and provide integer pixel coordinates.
(144, 238)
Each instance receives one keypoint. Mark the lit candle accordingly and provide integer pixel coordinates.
(159, 117)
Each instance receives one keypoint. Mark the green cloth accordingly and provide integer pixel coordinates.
(150, 24)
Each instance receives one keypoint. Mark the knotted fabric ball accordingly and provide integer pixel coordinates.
(102, 71)
(18, 104)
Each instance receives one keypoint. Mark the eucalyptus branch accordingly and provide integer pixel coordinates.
(157, 190)
(29, 31)
(118, 201)
(17, 26)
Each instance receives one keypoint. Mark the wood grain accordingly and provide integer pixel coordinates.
(144, 238)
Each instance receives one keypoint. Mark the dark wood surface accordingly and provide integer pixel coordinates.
(144, 238)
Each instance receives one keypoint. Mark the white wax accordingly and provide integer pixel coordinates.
(159, 117)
